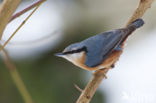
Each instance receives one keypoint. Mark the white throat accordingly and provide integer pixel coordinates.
(73, 57)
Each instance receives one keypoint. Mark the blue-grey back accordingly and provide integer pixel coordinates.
(100, 46)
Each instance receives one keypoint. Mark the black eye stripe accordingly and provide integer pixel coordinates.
(76, 51)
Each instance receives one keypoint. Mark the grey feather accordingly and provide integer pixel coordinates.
(100, 46)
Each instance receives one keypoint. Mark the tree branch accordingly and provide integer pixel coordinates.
(16, 78)
(93, 84)
(20, 26)
(139, 12)
(26, 9)
(99, 75)
(7, 8)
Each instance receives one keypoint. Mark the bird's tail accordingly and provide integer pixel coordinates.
(137, 23)
(132, 27)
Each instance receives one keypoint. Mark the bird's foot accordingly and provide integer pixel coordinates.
(101, 72)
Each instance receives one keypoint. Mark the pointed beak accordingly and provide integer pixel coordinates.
(59, 54)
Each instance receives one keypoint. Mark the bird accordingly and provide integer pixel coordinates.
(98, 52)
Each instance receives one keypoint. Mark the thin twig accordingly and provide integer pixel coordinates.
(98, 76)
(26, 9)
(7, 8)
(3, 46)
(16, 78)
(78, 88)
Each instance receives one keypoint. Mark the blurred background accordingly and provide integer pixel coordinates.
(58, 23)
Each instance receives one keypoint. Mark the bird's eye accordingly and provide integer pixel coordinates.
(68, 52)
(75, 51)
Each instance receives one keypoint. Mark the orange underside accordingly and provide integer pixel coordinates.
(106, 64)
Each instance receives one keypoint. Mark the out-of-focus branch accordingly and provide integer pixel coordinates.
(26, 9)
(3, 46)
(16, 78)
(99, 75)
(7, 8)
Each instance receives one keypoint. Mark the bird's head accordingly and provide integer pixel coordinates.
(73, 52)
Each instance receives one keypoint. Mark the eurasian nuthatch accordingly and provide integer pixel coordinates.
(97, 52)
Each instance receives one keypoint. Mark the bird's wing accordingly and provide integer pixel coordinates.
(100, 46)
